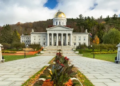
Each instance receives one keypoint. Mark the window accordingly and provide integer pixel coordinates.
(79, 38)
(84, 38)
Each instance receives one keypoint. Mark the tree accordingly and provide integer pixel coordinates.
(96, 40)
(16, 37)
(112, 37)
(6, 34)
(80, 23)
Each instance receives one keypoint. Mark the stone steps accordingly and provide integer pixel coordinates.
(52, 50)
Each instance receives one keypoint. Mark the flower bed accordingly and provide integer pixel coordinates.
(59, 73)
(104, 52)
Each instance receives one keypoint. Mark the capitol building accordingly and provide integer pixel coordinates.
(57, 35)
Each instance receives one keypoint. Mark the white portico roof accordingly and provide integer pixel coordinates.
(59, 28)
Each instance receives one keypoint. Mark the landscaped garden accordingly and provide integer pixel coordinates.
(16, 57)
(60, 72)
(13, 53)
(100, 51)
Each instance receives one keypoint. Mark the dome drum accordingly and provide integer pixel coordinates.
(59, 19)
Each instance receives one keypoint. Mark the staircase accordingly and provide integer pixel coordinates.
(52, 50)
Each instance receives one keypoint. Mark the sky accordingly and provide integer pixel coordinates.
(13, 11)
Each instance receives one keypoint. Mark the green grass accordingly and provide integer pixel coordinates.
(84, 80)
(16, 57)
(106, 57)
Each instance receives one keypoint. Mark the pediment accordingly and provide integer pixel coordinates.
(59, 28)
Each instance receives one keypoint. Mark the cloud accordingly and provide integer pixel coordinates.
(13, 11)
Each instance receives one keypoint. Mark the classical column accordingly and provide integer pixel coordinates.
(57, 39)
(66, 39)
(47, 39)
(71, 39)
(52, 38)
(62, 39)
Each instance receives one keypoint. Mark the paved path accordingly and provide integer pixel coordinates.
(100, 73)
(14, 73)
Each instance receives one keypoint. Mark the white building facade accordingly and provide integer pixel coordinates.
(58, 35)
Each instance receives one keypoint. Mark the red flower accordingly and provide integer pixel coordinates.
(67, 59)
(62, 65)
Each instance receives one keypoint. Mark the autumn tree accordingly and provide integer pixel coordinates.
(96, 40)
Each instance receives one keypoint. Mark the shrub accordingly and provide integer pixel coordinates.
(18, 46)
(104, 52)
(81, 46)
(35, 46)
(6, 45)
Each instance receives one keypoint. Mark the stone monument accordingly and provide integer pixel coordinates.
(117, 60)
(1, 53)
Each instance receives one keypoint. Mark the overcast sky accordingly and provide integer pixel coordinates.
(13, 11)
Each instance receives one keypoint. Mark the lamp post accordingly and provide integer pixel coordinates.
(92, 46)
(25, 51)
(93, 52)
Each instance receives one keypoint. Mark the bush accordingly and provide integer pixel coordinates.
(104, 52)
(105, 46)
(6, 45)
(7, 51)
(18, 46)
(81, 46)
(35, 46)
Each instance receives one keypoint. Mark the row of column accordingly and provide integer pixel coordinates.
(57, 38)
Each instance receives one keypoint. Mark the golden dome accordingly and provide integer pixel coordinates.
(60, 14)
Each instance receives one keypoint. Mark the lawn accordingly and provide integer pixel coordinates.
(16, 57)
(107, 57)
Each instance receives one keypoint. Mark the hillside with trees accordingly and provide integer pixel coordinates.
(97, 27)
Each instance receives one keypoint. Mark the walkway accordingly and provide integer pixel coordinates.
(100, 73)
(14, 73)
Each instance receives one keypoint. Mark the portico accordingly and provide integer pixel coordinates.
(59, 39)
(59, 36)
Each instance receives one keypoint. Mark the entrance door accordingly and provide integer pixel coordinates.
(59, 43)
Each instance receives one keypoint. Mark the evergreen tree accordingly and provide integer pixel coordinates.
(6, 34)
(15, 37)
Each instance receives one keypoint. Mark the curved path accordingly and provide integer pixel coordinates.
(14, 73)
(99, 72)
